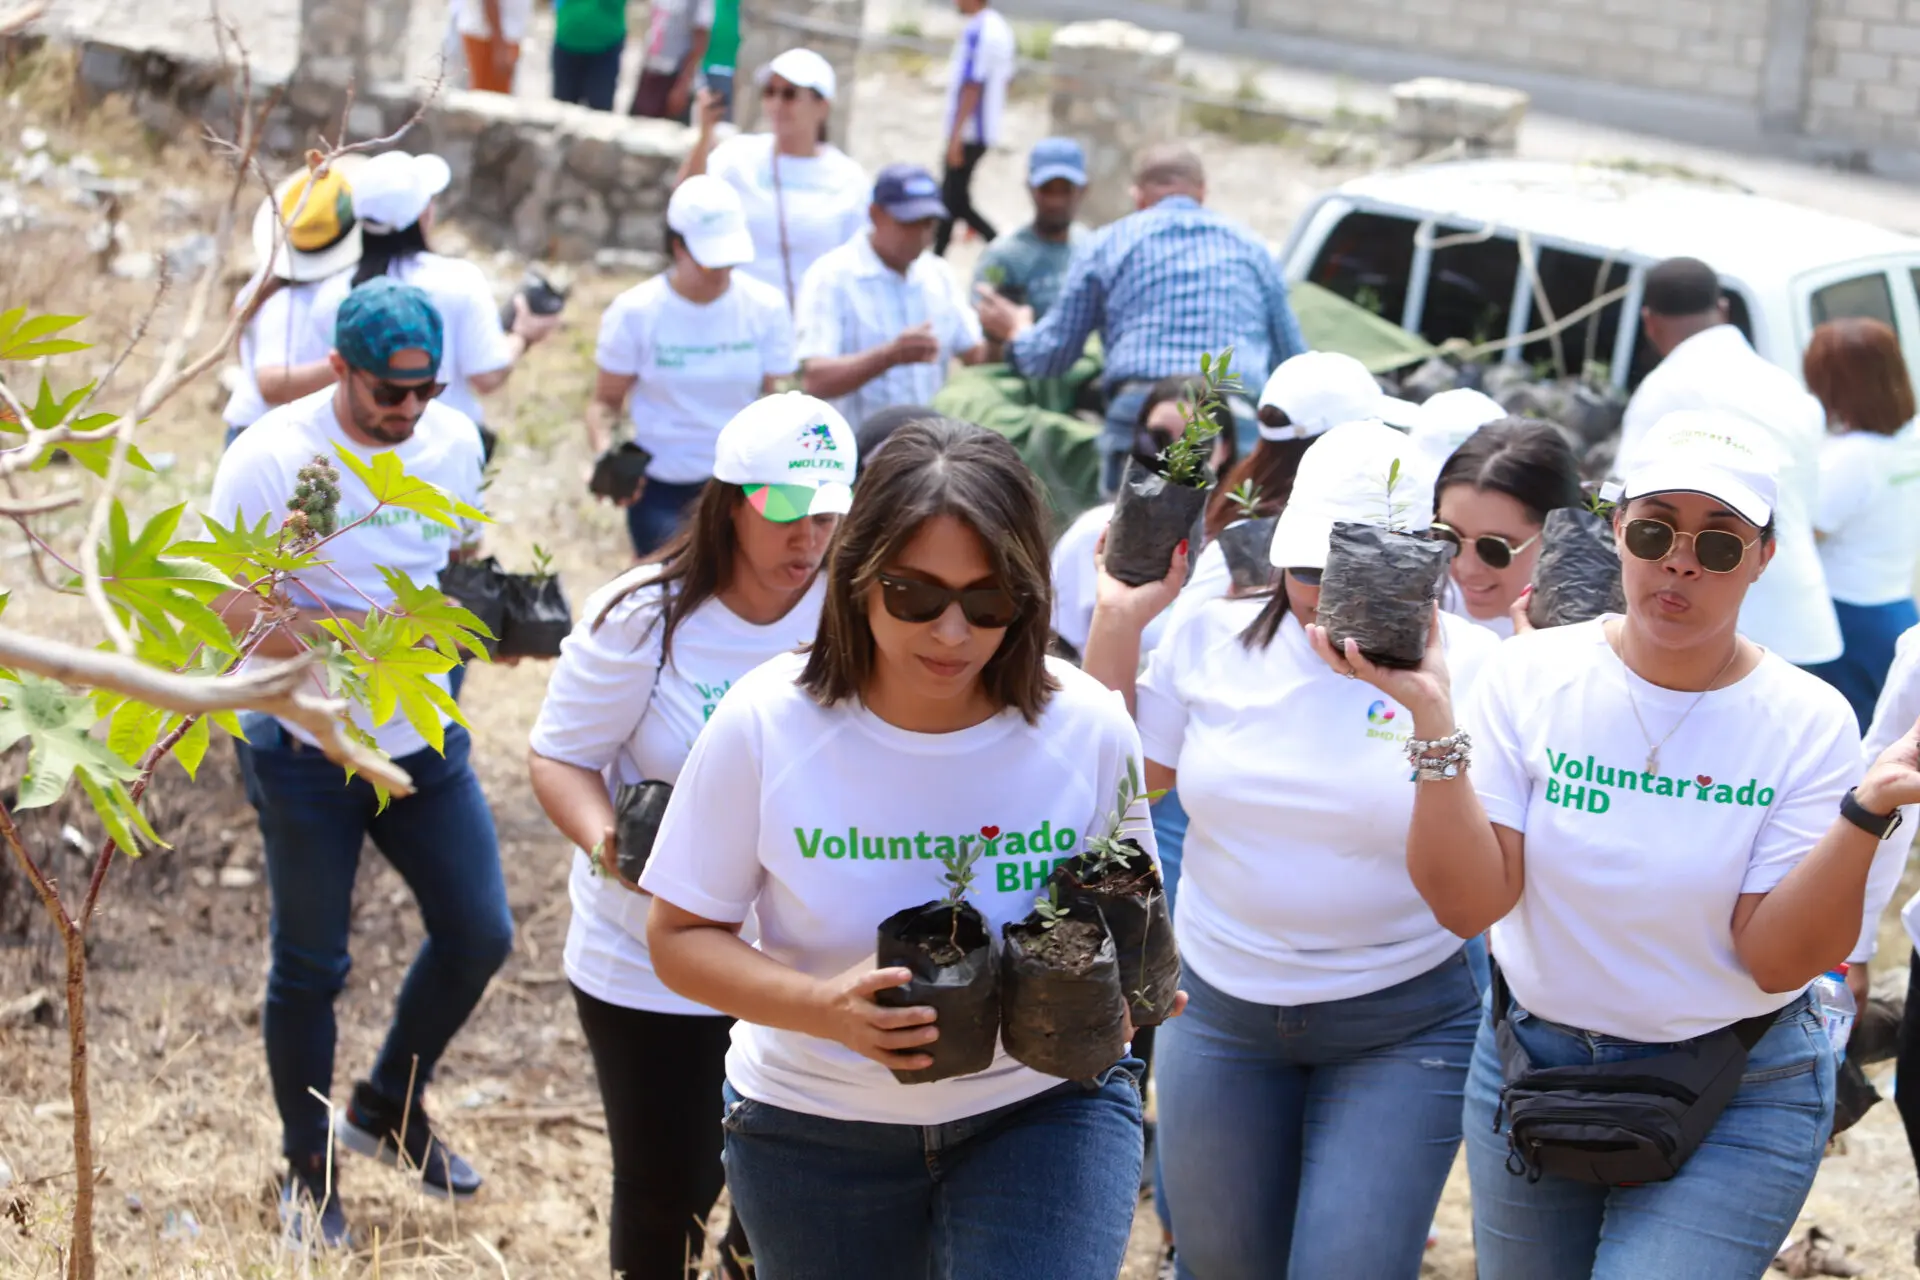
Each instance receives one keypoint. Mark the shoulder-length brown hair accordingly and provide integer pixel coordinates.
(939, 467)
(695, 564)
(1855, 367)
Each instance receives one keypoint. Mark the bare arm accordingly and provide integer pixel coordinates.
(1121, 615)
(284, 383)
(575, 799)
(963, 109)
(976, 355)
(830, 377)
(610, 391)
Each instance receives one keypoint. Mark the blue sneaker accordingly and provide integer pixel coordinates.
(404, 1138)
(310, 1212)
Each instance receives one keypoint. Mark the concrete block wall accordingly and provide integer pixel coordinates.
(1864, 72)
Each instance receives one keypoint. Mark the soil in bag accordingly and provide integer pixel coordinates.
(1151, 514)
(538, 618)
(1061, 1008)
(1379, 589)
(1246, 544)
(479, 587)
(951, 955)
(1577, 577)
(1133, 903)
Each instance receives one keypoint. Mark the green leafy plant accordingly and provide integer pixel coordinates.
(1245, 497)
(962, 867)
(1111, 850)
(542, 564)
(1397, 508)
(1184, 460)
(1047, 907)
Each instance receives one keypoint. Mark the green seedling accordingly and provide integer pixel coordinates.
(542, 563)
(1048, 908)
(1110, 851)
(1245, 497)
(1184, 460)
(959, 876)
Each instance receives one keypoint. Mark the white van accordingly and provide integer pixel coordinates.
(1438, 248)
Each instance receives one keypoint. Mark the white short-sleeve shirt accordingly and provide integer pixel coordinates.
(280, 333)
(824, 197)
(985, 54)
(1869, 515)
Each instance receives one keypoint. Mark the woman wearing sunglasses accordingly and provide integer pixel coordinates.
(821, 798)
(655, 652)
(1658, 820)
(1490, 502)
(1309, 1101)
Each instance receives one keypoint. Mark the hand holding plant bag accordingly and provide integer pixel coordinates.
(946, 945)
(1160, 502)
(1577, 577)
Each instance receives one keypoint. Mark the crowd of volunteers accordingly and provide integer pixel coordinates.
(1564, 894)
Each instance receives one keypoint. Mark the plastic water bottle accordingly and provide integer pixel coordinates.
(1837, 1008)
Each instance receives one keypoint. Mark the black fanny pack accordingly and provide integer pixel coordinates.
(1620, 1123)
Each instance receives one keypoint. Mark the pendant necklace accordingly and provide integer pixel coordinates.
(1653, 748)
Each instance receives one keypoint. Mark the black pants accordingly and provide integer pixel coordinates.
(957, 195)
(1906, 1077)
(660, 1077)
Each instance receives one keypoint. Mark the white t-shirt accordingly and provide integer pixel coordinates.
(853, 302)
(1869, 515)
(280, 333)
(1293, 885)
(474, 342)
(825, 195)
(698, 364)
(670, 28)
(257, 476)
(1893, 715)
(471, 17)
(613, 708)
(1625, 926)
(985, 54)
(826, 820)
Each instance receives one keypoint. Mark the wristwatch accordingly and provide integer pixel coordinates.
(1877, 825)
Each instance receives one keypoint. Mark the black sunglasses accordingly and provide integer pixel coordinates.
(1306, 577)
(1717, 550)
(1495, 552)
(911, 600)
(784, 92)
(391, 395)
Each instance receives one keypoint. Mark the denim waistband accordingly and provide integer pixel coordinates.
(1790, 1009)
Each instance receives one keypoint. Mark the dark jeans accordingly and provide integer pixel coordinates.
(658, 514)
(1906, 1076)
(659, 1076)
(1869, 632)
(588, 79)
(441, 841)
(957, 194)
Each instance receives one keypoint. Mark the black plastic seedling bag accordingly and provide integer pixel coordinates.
(954, 974)
(479, 587)
(1151, 515)
(637, 810)
(1577, 577)
(1062, 1011)
(537, 616)
(1246, 544)
(1379, 589)
(619, 472)
(1133, 903)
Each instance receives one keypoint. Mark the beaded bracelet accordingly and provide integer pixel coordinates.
(1438, 759)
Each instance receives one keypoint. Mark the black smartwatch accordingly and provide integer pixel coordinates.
(1877, 825)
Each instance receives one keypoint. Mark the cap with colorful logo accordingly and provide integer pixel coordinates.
(1056, 158)
(705, 211)
(1320, 390)
(393, 189)
(908, 193)
(383, 317)
(1711, 452)
(322, 234)
(794, 455)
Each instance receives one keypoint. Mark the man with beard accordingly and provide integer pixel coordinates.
(1030, 265)
(313, 818)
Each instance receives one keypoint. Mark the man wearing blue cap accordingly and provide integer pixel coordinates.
(1030, 265)
(313, 819)
(879, 317)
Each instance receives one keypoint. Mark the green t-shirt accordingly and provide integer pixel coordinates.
(589, 26)
(723, 42)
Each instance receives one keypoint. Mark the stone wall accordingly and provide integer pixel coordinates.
(1865, 71)
(1095, 63)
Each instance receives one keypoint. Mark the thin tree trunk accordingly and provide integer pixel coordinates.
(80, 1264)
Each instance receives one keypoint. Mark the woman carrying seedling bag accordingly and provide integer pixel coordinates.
(924, 749)
(654, 654)
(1309, 1102)
(1659, 821)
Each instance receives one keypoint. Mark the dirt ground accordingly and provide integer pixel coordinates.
(184, 1122)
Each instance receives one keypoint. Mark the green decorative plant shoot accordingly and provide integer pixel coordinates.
(959, 876)
(1111, 851)
(1184, 460)
(1047, 907)
(1245, 498)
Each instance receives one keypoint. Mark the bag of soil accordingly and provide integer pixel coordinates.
(1246, 544)
(479, 587)
(1133, 903)
(619, 472)
(951, 955)
(1062, 1011)
(1379, 589)
(1577, 577)
(538, 618)
(1151, 514)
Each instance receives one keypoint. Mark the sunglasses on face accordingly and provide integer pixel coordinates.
(1306, 577)
(911, 600)
(1495, 552)
(391, 395)
(784, 92)
(1717, 550)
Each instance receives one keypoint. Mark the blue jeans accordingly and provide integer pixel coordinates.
(658, 514)
(1123, 419)
(441, 841)
(1042, 1188)
(1869, 632)
(588, 79)
(1314, 1140)
(1726, 1213)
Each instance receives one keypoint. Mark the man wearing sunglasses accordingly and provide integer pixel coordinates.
(313, 819)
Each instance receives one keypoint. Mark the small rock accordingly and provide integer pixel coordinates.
(135, 1204)
(179, 1226)
(238, 878)
(35, 1006)
(74, 840)
(62, 1110)
(33, 139)
(133, 266)
(6, 1175)
(203, 876)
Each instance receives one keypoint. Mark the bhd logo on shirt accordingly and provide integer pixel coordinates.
(1380, 723)
(1379, 713)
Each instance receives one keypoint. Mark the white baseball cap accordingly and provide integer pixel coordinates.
(1319, 390)
(1711, 452)
(705, 211)
(392, 190)
(794, 455)
(1444, 422)
(1343, 476)
(802, 68)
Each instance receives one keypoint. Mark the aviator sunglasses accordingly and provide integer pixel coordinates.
(911, 600)
(1495, 552)
(1717, 550)
(391, 395)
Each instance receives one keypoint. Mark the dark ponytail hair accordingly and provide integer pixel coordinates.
(379, 250)
(1270, 468)
(1524, 458)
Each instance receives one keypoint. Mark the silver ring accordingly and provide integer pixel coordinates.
(1353, 675)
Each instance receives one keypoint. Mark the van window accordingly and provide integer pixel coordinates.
(1739, 315)
(1571, 281)
(1470, 287)
(1367, 259)
(1868, 297)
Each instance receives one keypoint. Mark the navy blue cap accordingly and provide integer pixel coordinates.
(908, 193)
(1056, 158)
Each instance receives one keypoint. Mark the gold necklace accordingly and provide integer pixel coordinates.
(1653, 748)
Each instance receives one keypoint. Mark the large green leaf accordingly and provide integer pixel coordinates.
(55, 722)
(435, 618)
(49, 411)
(24, 339)
(398, 674)
(387, 480)
(243, 552)
(169, 595)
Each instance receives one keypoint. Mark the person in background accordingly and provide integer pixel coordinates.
(677, 35)
(803, 195)
(1868, 517)
(1491, 502)
(684, 352)
(492, 31)
(977, 78)
(304, 234)
(588, 39)
(1164, 285)
(879, 317)
(653, 655)
(314, 818)
(393, 195)
(876, 428)
(1706, 363)
(1029, 265)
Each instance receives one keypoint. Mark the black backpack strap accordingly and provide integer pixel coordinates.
(1748, 1031)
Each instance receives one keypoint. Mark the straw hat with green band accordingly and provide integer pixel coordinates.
(792, 454)
(322, 234)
